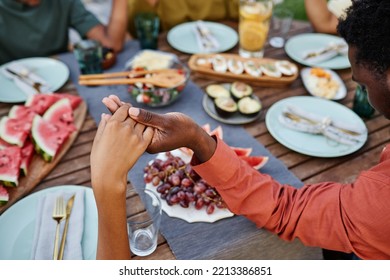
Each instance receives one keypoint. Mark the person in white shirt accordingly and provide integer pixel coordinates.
(324, 15)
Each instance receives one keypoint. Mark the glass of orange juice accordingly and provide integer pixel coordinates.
(253, 26)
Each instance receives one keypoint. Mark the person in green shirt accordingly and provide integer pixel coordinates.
(31, 28)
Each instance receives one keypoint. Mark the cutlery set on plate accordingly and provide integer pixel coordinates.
(61, 212)
(205, 39)
(26, 80)
(326, 53)
(301, 120)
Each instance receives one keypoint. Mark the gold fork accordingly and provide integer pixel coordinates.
(58, 214)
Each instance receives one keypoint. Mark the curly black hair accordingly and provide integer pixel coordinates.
(366, 26)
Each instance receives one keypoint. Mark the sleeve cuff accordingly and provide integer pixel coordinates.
(224, 158)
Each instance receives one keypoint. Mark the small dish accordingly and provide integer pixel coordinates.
(236, 118)
(334, 87)
(190, 214)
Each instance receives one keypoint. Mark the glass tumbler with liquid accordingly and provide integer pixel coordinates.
(254, 24)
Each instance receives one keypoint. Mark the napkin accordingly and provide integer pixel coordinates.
(205, 39)
(45, 227)
(22, 84)
(326, 53)
(304, 121)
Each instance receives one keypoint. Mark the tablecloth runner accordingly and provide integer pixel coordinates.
(196, 240)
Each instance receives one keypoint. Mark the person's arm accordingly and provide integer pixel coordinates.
(113, 35)
(342, 217)
(322, 20)
(109, 168)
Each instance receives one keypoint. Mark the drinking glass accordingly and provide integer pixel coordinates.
(280, 26)
(361, 106)
(89, 55)
(147, 27)
(143, 227)
(253, 26)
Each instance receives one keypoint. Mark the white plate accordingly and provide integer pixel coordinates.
(340, 94)
(236, 118)
(182, 37)
(298, 46)
(17, 225)
(55, 72)
(190, 214)
(310, 144)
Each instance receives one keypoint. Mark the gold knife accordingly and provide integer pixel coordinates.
(69, 207)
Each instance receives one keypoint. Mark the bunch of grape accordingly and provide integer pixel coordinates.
(178, 183)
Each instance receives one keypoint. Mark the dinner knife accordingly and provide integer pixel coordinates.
(69, 207)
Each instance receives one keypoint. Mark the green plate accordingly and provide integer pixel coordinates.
(17, 225)
(297, 46)
(54, 72)
(310, 144)
(182, 37)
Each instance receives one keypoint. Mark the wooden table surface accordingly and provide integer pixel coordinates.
(74, 168)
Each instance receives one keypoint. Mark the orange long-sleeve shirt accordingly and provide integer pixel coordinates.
(344, 217)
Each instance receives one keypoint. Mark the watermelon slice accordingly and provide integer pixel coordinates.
(47, 137)
(206, 127)
(10, 159)
(21, 112)
(74, 99)
(39, 103)
(27, 154)
(256, 162)
(14, 131)
(4, 144)
(242, 151)
(4, 196)
(217, 132)
(61, 114)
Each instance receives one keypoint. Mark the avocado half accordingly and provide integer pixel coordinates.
(215, 91)
(225, 106)
(249, 106)
(240, 90)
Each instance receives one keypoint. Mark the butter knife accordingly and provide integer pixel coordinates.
(69, 207)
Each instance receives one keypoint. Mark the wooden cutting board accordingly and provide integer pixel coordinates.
(244, 77)
(39, 168)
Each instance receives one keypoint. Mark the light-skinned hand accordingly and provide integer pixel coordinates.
(118, 144)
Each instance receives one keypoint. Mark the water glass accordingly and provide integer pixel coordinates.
(89, 55)
(143, 227)
(147, 26)
(253, 26)
(280, 26)
(361, 106)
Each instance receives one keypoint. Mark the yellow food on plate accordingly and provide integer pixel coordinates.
(321, 83)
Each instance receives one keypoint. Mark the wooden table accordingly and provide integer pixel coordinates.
(74, 168)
